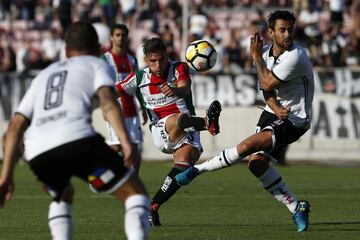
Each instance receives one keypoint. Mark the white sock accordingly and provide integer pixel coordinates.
(272, 182)
(136, 217)
(224, 159)
(60, 222)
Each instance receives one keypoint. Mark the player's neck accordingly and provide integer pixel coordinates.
(277, 51)
(119, 51)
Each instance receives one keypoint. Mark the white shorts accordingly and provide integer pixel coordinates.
(132, 126)
(162, 142)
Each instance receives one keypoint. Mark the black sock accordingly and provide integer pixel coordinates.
(168, 188)
(191, 123)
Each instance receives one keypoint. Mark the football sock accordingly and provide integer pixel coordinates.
(191, 123)
(224, 159)
(272, 182)
(169, 187)
(60, 221)
(136, 217)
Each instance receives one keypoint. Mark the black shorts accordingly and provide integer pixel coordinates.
(284, 132)
(90, 159)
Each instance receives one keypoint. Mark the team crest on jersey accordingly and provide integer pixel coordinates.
(100, 177)
(277, 122)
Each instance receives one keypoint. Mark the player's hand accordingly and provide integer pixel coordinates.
(7, 187)
(131, 156)
(282, 113)
(167, 90)
(256, 46)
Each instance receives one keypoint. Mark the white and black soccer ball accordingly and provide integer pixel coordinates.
(201, 55)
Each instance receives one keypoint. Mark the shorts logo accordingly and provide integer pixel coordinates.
(100, 177)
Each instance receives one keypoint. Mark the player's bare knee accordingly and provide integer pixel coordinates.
(244, 148)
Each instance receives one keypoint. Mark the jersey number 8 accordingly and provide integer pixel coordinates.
(55, 90)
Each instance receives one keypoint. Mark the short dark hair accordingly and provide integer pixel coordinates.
(82, 36)
(120, 26)
(283, 15)
(154, 45)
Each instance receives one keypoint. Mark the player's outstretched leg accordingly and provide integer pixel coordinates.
(224, 159)
(301, 216)
(212, 117)
(166, 191)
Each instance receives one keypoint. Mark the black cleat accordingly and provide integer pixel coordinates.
(212, 117)
(154, 218)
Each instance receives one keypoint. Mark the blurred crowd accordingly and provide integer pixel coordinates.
(32, 31)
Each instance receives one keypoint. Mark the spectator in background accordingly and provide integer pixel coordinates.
(309, 20)
(108, 11)
(128, 9)
(355, 34)
(245, 44)
(150, 12)
(198, 21)
(43, 14)
(334, 47)
(33, 59)
(234, 56)
(7, 56)
(336, 11)
(64, 12)
(51, 46)
(5, 9)
(168, 38)
(26, 9)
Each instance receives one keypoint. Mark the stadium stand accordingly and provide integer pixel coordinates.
(27, 26)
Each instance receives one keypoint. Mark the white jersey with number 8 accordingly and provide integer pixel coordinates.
(52, 102)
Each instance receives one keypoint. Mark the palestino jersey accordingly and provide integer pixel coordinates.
(58, 103)
(293, 69)
(146, 86)
(123, 66)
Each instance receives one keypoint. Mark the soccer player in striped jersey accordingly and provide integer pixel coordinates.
(60, 141)
(164, 88)
(286, 78)
(124, 63)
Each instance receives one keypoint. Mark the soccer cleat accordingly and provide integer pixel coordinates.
(301, 216)
(212, 117)
(185, 177)
(154, 218)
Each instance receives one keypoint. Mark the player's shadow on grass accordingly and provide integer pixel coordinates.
(334, 223)
(357, 229)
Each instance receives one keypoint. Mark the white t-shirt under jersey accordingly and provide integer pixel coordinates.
(58, 102)
(293, 69)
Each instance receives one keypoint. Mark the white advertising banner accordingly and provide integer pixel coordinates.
(334, 136)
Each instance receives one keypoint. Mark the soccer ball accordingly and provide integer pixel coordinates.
(201, 55)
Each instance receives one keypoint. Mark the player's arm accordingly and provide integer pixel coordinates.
(113, 114)
(280, 111)
(13, 140)
(183, 83)
(182, 89)
(267, 79)
(144, 114)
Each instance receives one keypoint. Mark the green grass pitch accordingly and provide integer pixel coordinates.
(223, 205)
